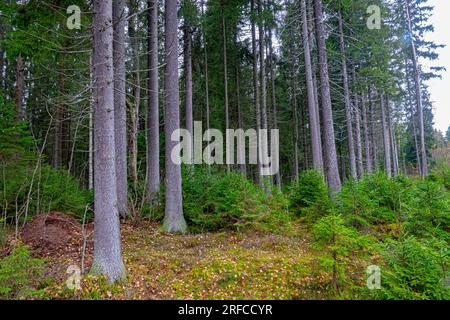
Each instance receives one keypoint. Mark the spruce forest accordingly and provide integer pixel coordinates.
(222, 149)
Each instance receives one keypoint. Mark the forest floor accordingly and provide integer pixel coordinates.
(219, 265)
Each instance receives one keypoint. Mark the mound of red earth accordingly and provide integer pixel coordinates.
(55, 233)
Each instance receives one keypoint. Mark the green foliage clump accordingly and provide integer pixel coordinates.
(414, 269)
(228, 201)
(430, 212)
(441, 173)
(20, 274)
(309, 196)
(28, 190)
(27, 185)
(376, 199)
(340, 242)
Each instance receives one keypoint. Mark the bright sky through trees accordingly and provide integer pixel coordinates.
(440, 88)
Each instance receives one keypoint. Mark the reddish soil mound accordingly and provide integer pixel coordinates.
(55, 233)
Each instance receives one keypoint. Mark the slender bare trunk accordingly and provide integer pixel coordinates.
(120, 113)
(359, 152)
(347, 103)
(424, 170)
(205, 52)
(153, 175)
(386, 143)
(174, 219)
(274, 98)
(107, 258)
(134, 108)
(367, 147)
(392, 140)
(263, 93)
(242, 166)
(330, 158)
(256, 89)
(313, 121)
(225, 77)
(91, 128)
(188, 84)
(20, 87)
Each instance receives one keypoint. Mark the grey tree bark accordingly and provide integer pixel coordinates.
(187, 53)
(205, 52)
(310, 11)
(120, 112)
(373, 132)
(173, 219)
(263, 93)
(134, 108)
(367, 148)
(256, 87)
(312, 108)
(225, 77)
(242, 166)
(359, 153)
(107, 258)
(59, 118)
(91, 127)
(329, 145)
(274, 98)
(386, 142)
(153, 173)
(395, 168)
(347, 103)
(423, 150)
(20, 87)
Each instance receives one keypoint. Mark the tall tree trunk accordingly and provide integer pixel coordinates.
(373, 130)
(59, 118)
(2, 56)
(174, 219)
(367, 147)
(205, 52)
(330, 158)
(263, 95)
(242, 166)
(256, 89)
(120, 112)
(395, 168)
(225, 77)
(274, 99)
(419, 105)
(347, 103)
(310, 11)
(107, 258)
(91, 127)
(386, 142)
(296, 135)
(188, 85)
(312, 108)
(134, 108)
(413, 120)
(153, 175)
(20, 87)
(359, 153)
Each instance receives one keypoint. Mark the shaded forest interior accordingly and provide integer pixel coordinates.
(93, 94)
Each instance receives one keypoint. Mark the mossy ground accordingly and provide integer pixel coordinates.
(221, 265)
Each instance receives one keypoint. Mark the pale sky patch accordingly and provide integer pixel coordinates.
(440, 88)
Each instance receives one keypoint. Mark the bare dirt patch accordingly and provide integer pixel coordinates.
(56, 234)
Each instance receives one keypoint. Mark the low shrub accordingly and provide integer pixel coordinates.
(21, 276)
(339, 242)
(376, 199)
(414, 269)
(228, 201)
(309, 195)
